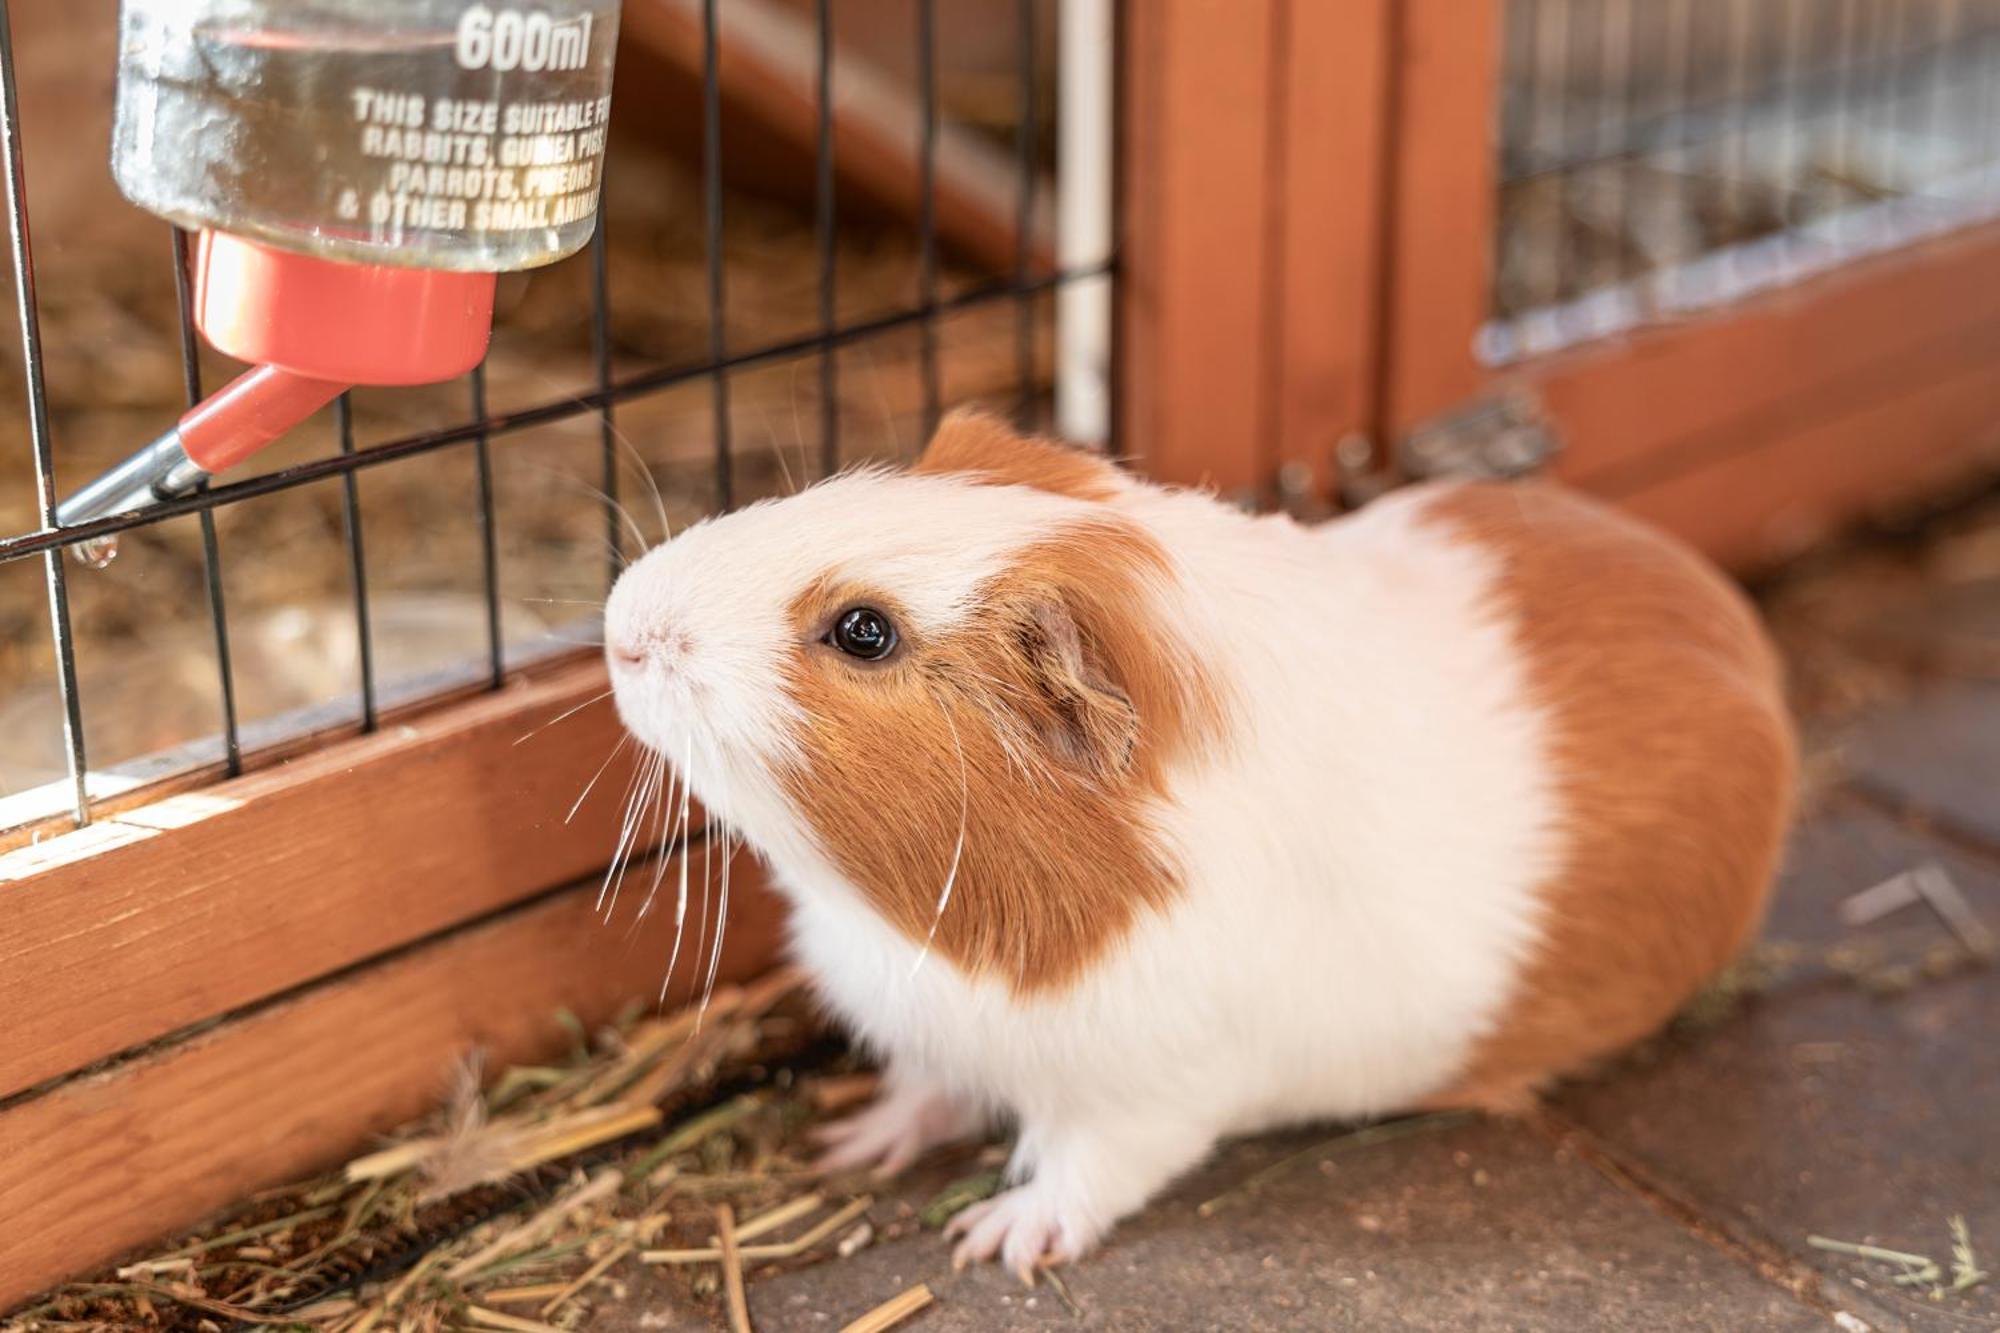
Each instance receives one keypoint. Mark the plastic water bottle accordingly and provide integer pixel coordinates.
(358, 170)
(433, 134)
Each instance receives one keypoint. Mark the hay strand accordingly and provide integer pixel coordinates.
(892, 1311)
(732, 1269)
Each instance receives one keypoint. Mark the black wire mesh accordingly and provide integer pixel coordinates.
(1024, 286)
(1662, 155)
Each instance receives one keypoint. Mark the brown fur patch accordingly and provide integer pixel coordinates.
(1066, 711)
(1675, 768)
(984, 448)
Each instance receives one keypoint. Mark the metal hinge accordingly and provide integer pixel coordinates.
(1491, 438)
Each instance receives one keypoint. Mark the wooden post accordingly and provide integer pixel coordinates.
(1250, 179)
(1442, 205)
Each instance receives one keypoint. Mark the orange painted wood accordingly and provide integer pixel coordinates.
(1926, 428)
(1328, 237)
(1446, 60)
(1666, 398)
(1196, 190)
(207, 900)
(109, 1161)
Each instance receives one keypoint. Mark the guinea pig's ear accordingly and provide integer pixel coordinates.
(1080, 713)
(983, 448)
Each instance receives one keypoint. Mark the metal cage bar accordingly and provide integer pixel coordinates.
(927, 260)
(357, 565)
(489, 542)
(711, 192)
(23, 545)
(21, 253)
(607, 429)
(1023, 288)
(1027, 152)
(211, 554)
(825, 231)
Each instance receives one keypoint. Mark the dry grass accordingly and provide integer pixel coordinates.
(522, 1199)
(1920, 1271)
(892, 1311)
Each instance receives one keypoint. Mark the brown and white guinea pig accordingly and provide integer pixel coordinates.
(1111, 809)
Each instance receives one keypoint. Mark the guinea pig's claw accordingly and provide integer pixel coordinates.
(1010, 1227)
(891, 1133)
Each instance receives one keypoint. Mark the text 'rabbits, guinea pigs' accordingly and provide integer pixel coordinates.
(1140, 821)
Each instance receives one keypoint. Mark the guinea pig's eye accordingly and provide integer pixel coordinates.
(863, 632)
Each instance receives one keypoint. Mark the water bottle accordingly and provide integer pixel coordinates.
(418, 133)
(358, 171)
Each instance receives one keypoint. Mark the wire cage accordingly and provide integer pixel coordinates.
(1658, 157)
(768, 368)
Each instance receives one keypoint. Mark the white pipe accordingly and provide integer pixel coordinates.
(1084, 181)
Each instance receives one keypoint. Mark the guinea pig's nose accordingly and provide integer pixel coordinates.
(626, 654)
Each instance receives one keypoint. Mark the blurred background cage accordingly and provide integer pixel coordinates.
(334, 730)
(1657, 158)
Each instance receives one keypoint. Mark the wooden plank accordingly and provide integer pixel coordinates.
(1443, 201)
(1329, 204)
(117, 934)
(109, 1161)
(1668, 396)
(1926, 433)
(1196, 174)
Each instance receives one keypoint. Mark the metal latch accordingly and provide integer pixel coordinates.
(1492, 438)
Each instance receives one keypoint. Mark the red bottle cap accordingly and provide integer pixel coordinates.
(339, 322)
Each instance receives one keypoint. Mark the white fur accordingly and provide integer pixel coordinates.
(1362, 857)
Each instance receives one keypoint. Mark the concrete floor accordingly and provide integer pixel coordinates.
(1856, 1096)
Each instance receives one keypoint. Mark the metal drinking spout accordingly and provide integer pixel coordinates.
(220, 431)
(312, 328)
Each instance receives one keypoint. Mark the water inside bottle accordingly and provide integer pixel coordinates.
(366, 138)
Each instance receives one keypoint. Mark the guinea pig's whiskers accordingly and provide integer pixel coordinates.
(637, 797)
(798, 425)
(619, 438)
(663, 807)
(580, 484)
(957, 851)
(584, 795)
(701, 931)
(629, 844)
(881, 399)
(624, 828)
(684, 834)
(564, 715)
(727, 855)
(776, 448)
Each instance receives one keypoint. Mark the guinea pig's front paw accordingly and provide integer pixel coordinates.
(1026, 1228)
(905, 1121)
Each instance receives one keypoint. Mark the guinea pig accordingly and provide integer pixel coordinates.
(1109, 809)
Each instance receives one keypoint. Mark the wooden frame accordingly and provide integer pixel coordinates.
(357, 919)
(1310, 199)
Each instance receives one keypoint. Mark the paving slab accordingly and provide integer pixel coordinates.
(1847, 1109)
(1474, 1225)
(1938, 751)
